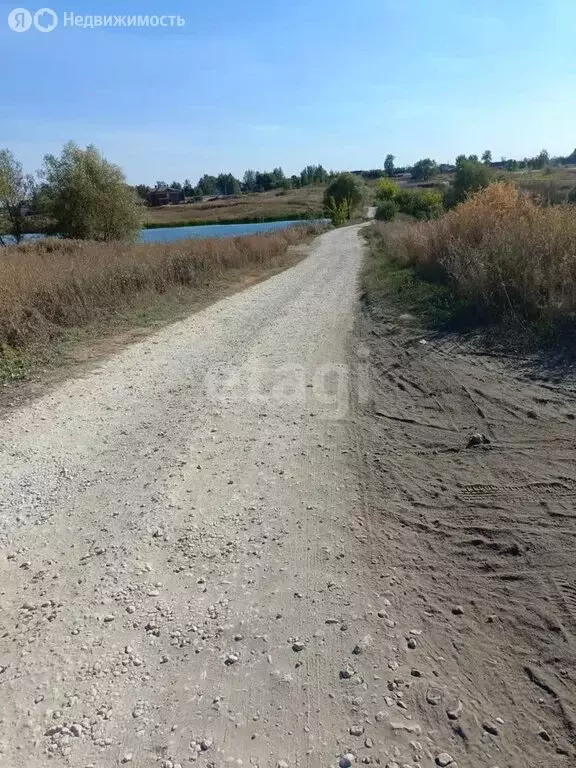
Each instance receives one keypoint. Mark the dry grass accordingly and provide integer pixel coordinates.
(54, 285)
(265, 205)
(499, 252)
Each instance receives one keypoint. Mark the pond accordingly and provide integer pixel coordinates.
(168, 234)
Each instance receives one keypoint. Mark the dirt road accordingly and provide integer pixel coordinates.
(180, 573)
(240, 542)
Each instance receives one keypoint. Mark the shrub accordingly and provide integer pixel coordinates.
(387, 190)
(420, 203)
(342, 197)
(572, 196)
(500, 252)
(386, 210)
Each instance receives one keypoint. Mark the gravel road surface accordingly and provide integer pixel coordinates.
(181, 571)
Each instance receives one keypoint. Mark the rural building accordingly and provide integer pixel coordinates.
(165, 196)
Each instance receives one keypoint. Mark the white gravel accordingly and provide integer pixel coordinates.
(158, 518)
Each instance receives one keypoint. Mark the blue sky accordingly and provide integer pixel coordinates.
(258, 83)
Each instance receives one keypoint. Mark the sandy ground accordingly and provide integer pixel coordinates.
(470, 485)
(258, 539)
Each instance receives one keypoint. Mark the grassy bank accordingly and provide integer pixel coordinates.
(245, 220)
(53, 289)
(250, 208)
(497, 260)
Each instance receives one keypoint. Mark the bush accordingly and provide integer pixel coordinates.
(421, 203)
(387, 190)
(500, 252)
(471, 176)
(572, 196)
(386, 210)
(87, 197)
(342, 197)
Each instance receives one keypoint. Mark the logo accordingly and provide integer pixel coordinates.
(21, 20)
(45, 20)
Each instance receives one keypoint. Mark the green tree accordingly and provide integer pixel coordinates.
(389, 165)
(87, 197)
(142, 191)
(17, 190)
(249, 181)
(342, 197)
(424, 170)
(471, 176)
(226, 184)
(487, 157)
(572, 196)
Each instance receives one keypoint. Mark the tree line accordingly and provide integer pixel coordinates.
(252, 181)
(427, 168)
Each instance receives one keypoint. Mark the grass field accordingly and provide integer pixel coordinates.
(53, 289)
(497, 259)
(264, 206)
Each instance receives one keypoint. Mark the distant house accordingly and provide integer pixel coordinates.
(165, 196)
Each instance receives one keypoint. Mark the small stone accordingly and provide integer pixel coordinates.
(457, 610)
(411, 643)
(415, 673)
(433, 696)
(454, 711)
(490, 728)
(298, 646)
(356, 730)
(346, 760)
(205, 744)
(346, 673)
(478, 439)
(128, 757)
(444, 759)
(110, 617)
(232, 658)
(368, 743)
(237, 638)
(282, 764)
(76, 729)
(130, 609)
(544, 734)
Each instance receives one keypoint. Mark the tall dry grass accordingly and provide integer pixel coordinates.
(52, 285)
(500, 252)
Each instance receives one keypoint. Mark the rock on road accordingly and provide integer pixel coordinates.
(184, 574)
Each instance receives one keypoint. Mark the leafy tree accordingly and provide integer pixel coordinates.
(207, 185)
(541, 160)
(264, 181)
(176, 185)
(473, 158)
(313, 174)
(87, 197)
(572, 196)
(424, 170)
(295, 181)
(187, 188)
(142, 191)
(470, 177)
(487, 157)
(226, 184)
(16, 191)
(342, 197)
(389, 165)
(249, 181)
